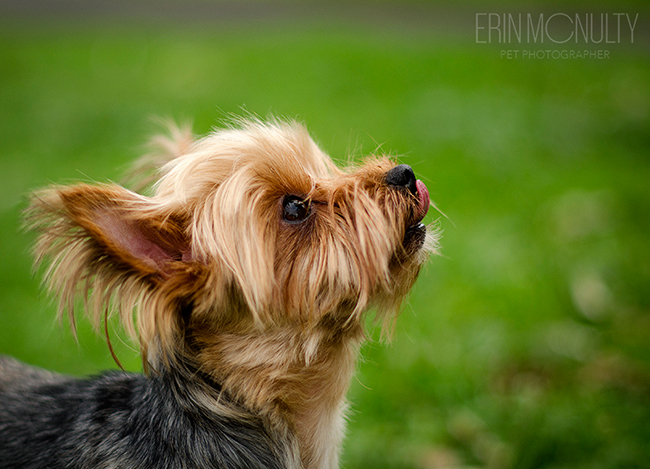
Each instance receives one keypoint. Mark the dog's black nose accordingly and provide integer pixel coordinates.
(402, 176)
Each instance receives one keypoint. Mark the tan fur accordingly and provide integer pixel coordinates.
(276, 309)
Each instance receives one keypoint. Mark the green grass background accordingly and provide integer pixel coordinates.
(525, 345)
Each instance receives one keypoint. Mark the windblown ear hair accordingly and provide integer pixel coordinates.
(173, 141)
(111, 247)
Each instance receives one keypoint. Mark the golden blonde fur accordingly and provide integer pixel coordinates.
(205, 271)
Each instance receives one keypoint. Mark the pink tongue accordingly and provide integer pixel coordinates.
(423, 194)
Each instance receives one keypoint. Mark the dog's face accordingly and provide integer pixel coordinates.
(248, 228)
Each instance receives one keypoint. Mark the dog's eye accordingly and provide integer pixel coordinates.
(295, 209)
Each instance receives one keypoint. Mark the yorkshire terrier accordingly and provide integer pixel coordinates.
(244, 277)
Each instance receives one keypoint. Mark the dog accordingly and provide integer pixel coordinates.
(244, 275)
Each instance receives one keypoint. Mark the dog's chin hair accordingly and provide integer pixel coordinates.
(207, 276)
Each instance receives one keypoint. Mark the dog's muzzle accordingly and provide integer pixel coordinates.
(402, 176)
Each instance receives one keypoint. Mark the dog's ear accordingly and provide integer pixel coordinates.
(117, 250)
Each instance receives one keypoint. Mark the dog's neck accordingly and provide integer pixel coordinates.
(319, 421)
(270, 375)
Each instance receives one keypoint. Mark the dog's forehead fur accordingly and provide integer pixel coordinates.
(282, 154)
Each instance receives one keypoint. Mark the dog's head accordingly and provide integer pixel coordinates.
(249, 228)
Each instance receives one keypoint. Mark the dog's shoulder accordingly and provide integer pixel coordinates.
(120, 419)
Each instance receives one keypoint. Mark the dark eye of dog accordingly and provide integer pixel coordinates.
(295, 209)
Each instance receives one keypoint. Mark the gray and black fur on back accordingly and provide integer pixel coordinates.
(121, 420)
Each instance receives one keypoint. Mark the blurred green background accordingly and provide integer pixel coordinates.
(527, 343)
